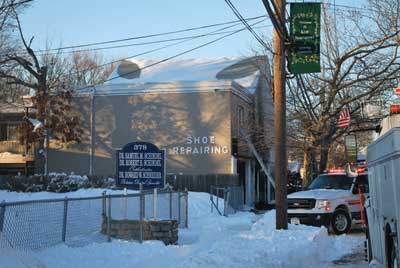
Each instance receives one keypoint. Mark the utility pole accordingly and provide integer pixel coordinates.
(280, 113)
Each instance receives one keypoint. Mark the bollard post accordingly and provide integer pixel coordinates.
(109, 219)
(2, 214)
(141, 212)
(64, 226)
(186, 207)
(170, 203)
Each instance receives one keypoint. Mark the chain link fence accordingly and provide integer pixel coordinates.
(39, 224)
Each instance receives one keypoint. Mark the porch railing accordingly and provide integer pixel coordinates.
(15, 147)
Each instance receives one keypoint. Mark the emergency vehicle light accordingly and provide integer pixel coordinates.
(335, 170)
(361, 169)
(395, 109)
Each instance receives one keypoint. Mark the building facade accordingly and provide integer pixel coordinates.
(208, 114)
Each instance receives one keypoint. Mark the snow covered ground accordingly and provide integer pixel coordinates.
(240, 240)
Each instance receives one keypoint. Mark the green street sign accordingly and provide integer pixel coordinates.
(305, 26)
(350, 143)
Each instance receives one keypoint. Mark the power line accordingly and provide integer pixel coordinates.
(147, 43)
(147, 36)
(167, 46)
(174, 56)
(240, 17)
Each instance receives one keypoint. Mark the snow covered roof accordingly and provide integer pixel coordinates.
(184, 74)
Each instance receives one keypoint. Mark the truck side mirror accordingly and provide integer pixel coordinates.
(355, 189)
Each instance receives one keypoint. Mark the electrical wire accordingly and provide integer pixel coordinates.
(240, 17)
(145, 43)
(167, 46)
(146, 36)
(172, 57)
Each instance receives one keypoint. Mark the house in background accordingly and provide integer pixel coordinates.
(213, 116)
(14, 156)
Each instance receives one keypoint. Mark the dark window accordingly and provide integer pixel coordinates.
(12, 132)
(8, 132)
(326, 181)
(362, 181)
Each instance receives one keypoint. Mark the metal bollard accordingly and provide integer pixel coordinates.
(64, 226)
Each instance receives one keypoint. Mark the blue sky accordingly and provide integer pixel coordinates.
(74, 22)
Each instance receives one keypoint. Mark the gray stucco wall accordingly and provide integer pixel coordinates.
(185, 124)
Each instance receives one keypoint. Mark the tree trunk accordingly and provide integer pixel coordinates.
(324, 152)
(309, 165)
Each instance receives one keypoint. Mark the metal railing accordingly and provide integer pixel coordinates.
(38, 224)
(232, 199)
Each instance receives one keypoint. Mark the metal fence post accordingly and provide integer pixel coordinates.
(109, 219)
(170, 203)
(126, 204)
(64, 226)
(186, 207)
(211, 199)
(104, 202)
(141, 212)
(155, 204)
(179, 207)
(2, 214)
(217, 198)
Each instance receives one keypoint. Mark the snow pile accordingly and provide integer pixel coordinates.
(241, 240)
(66, 183)
(91, 192)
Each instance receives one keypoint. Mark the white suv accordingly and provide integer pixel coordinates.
(334, 200)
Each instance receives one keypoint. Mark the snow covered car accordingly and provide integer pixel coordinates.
(333, 200)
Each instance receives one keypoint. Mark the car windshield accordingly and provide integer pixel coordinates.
(326, 181)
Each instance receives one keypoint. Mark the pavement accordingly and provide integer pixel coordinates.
(355, 259)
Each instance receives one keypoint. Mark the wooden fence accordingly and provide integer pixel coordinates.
(202, 183)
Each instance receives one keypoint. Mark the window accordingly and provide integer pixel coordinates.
(12, 132)
(363, 183)
(8, 132)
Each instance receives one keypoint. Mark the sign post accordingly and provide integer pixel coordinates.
(140, 163)
(305, 26)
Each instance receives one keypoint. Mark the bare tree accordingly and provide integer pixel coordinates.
(360, 58)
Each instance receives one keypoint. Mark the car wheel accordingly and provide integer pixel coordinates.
(341, 222)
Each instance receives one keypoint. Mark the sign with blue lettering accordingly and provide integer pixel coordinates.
(140, 163)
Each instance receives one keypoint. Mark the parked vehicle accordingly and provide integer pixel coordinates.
(334, 200)
(383, 206)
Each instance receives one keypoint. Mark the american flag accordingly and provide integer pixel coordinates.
(344, 118)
